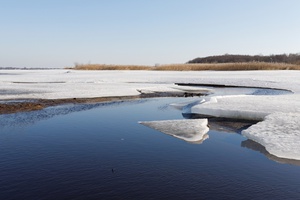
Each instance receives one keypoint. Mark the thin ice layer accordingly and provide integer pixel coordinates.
(192, 130)
(279, 133)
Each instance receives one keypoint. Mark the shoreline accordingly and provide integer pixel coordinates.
(39, 104)
(25, 105)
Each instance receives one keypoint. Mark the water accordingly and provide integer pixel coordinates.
(99, 151)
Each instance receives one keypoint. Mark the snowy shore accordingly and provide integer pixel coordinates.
(280, 114)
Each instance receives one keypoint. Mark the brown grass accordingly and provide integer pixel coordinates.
(194, 67)
(110, 67)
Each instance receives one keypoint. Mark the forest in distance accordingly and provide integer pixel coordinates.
(234, 58)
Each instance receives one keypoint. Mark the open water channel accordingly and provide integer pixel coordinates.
(100, 151)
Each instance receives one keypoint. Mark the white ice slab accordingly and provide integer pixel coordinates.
(279, 133)
(192, 130)
(247, 106)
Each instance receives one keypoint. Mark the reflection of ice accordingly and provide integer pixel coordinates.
(258, 147)
(193, 130)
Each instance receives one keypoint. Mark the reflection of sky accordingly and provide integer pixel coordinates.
(145, 109)
(27, 118)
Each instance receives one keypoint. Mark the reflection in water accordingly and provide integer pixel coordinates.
(193, 130)
(28, 118)
(230, 126)
(250, 144)
(223, 124)
(55, 159)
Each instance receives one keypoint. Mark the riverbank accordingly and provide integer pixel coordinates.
(279, 114)
(12, 106)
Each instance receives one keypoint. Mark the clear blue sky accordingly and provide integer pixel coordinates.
(58, 33)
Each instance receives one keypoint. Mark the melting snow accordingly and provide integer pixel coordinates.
(279, 133)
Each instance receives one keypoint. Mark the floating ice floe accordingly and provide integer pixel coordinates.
(247, 107)
(192, 130)
(279, 133)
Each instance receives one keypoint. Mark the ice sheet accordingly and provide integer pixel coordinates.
(279, 130)
(192, 130)
(58, 84)
(279, 133)
(247, 107)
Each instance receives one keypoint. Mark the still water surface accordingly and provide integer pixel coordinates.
(99, 151)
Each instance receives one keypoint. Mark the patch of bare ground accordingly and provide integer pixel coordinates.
(7, 108)
(19, 107)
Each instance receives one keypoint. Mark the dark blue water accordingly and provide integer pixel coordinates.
(99, 151)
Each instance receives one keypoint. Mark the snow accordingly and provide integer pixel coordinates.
(247, 107)
(193, 130)
(58, 84)
(278, 133)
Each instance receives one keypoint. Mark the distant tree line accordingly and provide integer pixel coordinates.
(228, 58)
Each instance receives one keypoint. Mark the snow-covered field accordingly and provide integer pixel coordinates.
(280, 114)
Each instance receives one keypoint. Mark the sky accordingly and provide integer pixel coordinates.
(60, 33)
